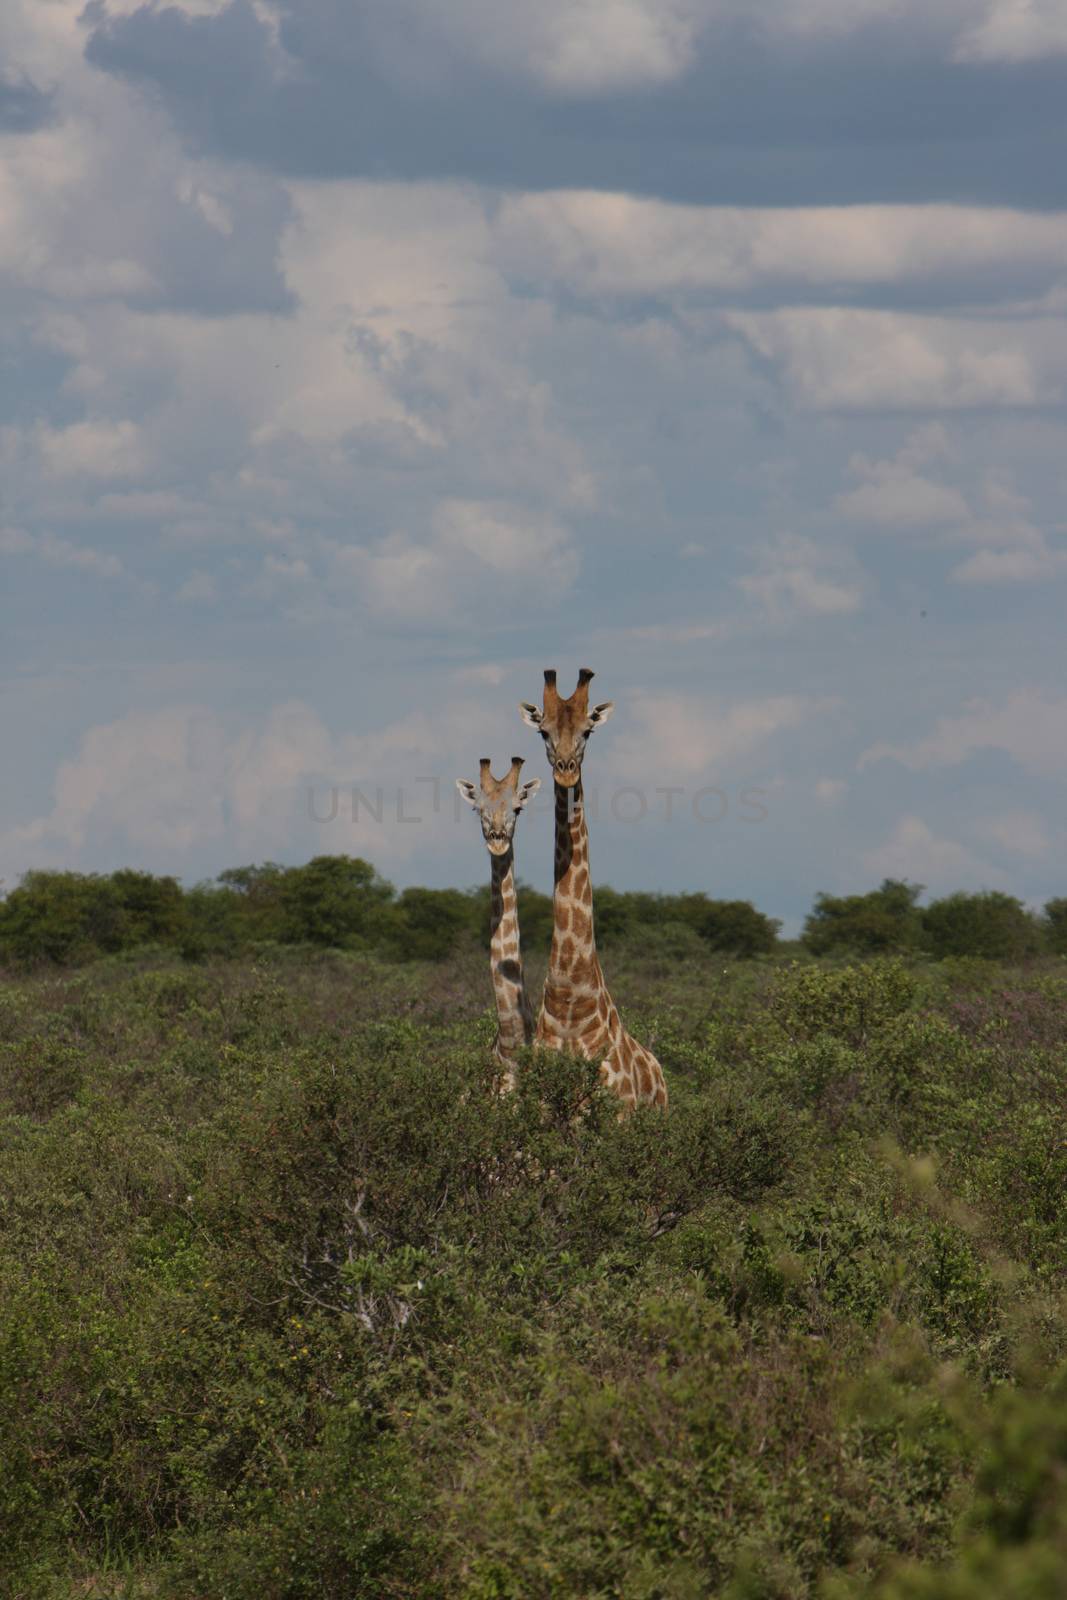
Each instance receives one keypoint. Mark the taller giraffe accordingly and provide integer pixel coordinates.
(498, 802)
(577, 1012)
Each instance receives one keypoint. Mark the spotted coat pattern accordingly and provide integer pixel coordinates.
(514, 1015)
(577, 1012)
(498, 802)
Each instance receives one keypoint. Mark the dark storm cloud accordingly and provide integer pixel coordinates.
(23, 107)
(881, 115)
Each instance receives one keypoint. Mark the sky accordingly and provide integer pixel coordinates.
(360, 362)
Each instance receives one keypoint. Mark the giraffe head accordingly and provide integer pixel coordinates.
(498, 802)
(565, 725)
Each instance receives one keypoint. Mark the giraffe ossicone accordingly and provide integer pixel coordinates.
(577, 1011)
(565, 725)
(498, 802)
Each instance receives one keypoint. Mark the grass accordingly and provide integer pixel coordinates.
(292, 1306)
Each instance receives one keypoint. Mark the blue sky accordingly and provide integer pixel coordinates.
(361, 362)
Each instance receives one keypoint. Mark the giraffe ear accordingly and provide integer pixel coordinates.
(530, 714)
(527, 792)
(468, 791)
(601, 713)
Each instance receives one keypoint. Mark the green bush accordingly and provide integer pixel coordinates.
(430, 921)
(67, 916)
(733, 927)
(847, 1003)
(991, 924)
(1056, 926)
(293, 1305)
(334, 900)
(340, 902)
(878, 923)
(60, 917)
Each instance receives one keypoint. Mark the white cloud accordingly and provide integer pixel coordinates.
(58, 552)
(590, 46)
(669, 632)
(103, 205)
(1021, 833)
(475, 552)
(1030, 726)
(1019, 565)
(504, 540)
(489, 673)
(587, 46)
(796, 577)
(402, 384)
(913, 851)
(599, 243)
(102, 448)
(895, 497)
(146, 778)
(993, 516)
(1016, 30)
(200, 588)
(830, 790)
(1012, 548)
(576, 47)
(158, 787)
(679, 737)
(615, 44)
(896, 493)
(843, 359)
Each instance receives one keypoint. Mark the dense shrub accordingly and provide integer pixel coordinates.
(429, 922)
(292, 1306)
(733, 927)
(877, 923)
(334, 900)
(340, 902)
(256, 893)
(990, 924)
(1056, 926)
(64, 916)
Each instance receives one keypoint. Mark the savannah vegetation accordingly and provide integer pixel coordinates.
(293, 1308)
(341, 902)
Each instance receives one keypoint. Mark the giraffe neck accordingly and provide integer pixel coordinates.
(573, 886)
(514, 1017)
(574, 986)
(577, 1013)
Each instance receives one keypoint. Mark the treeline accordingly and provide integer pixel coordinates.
(341, 902)
(889, 921)
(337, 902)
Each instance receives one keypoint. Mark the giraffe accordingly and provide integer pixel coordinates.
(498, 802)
(577, 1012)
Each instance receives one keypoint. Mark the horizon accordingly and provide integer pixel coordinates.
(785, 933)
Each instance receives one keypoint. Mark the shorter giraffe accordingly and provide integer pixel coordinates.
(498, 802)
(577, 1012)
